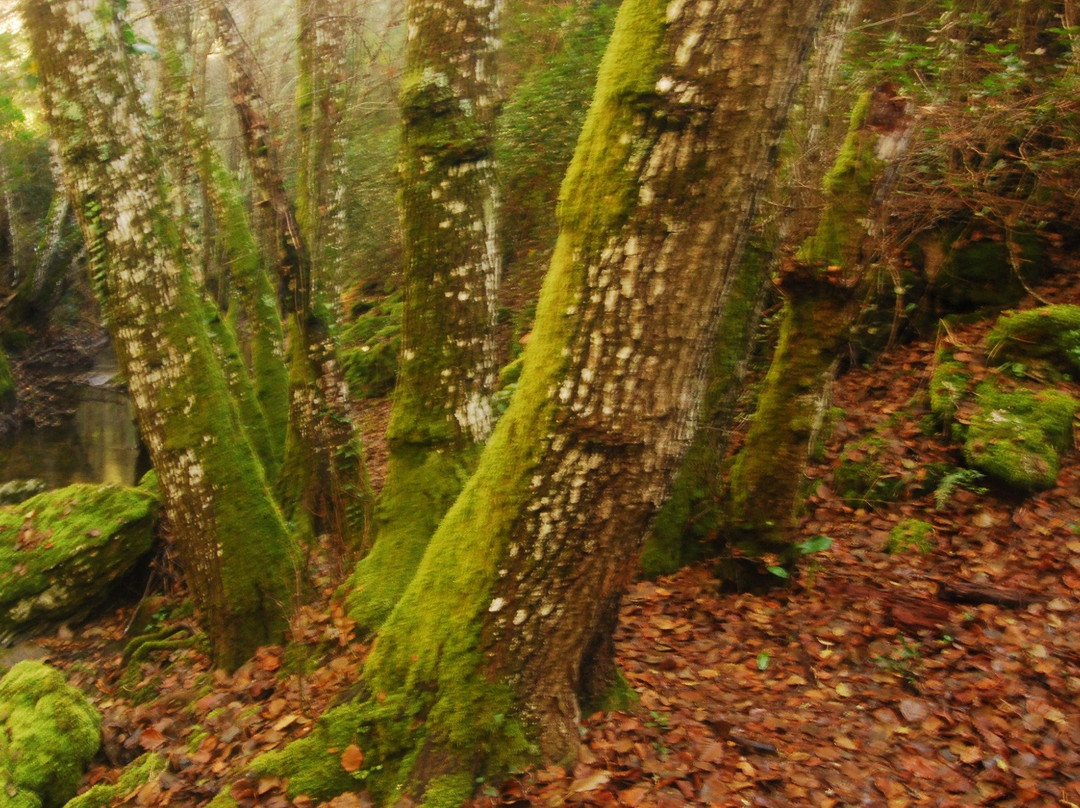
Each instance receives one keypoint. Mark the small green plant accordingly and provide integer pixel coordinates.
(961, 478)
(763, 660)
(905, 661)
(815, 544)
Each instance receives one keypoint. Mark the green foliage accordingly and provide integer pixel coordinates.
(911, 534)
(967, 479)
(49, 732)
(370, 346)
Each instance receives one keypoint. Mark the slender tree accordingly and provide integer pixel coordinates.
(324, 482)
(442, 403)
(507, 623)
(236, 551)
(822, 289)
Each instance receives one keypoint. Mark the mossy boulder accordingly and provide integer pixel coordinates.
(15, 491)
(976, 270)
(370, 347)
(1050, 334)
(911, 534)
(137, 773)
(948, 384)
(61, 551)
(7, 385)
(49, 733)
(1017, 436)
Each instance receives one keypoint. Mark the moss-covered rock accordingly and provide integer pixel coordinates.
(948, 384)
(1017, 436)
(62, 550)
(49, 732)
(911, 534)
(137, 773)
(1049, 333)
(15, 491)
(370, 349)
(976, 271)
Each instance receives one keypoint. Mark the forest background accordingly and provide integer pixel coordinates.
(926, 176)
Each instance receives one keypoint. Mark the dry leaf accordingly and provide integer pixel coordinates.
(352, 758)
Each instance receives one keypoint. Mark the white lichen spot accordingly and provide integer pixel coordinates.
(519, 617)
(496, 605)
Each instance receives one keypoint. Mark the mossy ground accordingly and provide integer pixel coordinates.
(137, 773)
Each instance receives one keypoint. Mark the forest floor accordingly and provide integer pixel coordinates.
(944, 678)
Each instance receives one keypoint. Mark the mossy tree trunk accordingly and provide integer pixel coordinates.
(688, 522)
(442, 403)
(822, 289)
(324, 483)
(322, 102)
(236, 551)
(251, 295)
(508, 620)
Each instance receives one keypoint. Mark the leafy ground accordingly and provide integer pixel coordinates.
(944, 678)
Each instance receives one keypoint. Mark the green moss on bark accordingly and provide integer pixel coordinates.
(421, 484)
(49, 732)
(695, 508)
(7, 384)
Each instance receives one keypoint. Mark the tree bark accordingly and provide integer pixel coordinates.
(480, 665)
(237, 554)
(263, 392)
(822, 289)
(442, 402)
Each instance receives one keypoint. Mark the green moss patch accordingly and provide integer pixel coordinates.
(1017, 436)
(1049, 333)
(62, 550)
(978, 272)
(49, 732)
(948, 384)
(911, 534)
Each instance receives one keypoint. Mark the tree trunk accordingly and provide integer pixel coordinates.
(324, 483)
(447, 373)
(481, 663)
(237, 555)
(263, 393)
(822, 291)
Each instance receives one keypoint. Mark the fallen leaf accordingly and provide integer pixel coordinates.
(352, 758)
